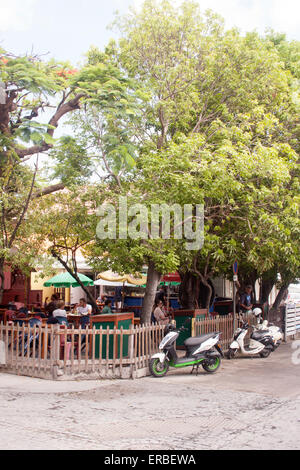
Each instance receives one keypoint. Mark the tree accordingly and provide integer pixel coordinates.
(233, 92)
(33, 87)
(65, 221)
(30, 87)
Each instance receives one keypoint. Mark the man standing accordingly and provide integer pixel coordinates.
(246, 302)
(118, 298)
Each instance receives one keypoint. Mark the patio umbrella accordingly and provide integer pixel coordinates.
(66, 280)
(171, 283)
(115, 277)
(102, 282)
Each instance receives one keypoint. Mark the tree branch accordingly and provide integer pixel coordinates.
(63, 109)
(13, 235)
(50, 189)
(74, 274)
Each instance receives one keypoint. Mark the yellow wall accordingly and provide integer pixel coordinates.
(37, 283)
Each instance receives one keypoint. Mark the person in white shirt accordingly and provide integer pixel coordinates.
(84, 308)
(60, 311)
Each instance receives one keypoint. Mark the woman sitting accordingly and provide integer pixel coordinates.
(159, 313)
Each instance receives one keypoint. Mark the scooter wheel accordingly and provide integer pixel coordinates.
(265, 353)
(211, 367)
(157, 368)
(231, 353)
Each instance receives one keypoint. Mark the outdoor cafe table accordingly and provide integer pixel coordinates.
(74, 319)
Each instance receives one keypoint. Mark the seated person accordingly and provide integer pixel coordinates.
(24, 310)
(84, 308)
(159, 313)
(101, 300)
(38, 312)
(60, 311)
(49, 308)
(59, 315)
(15, 304)
(107, 307)
(74, 308)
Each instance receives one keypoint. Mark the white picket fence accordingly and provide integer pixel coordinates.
(292, 320)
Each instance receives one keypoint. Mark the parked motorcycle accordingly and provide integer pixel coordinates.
(261, 342)
(263, 325)
(203, 350)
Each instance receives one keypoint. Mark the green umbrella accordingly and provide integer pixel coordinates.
(166, 283)
(66, 280)
(170, 283)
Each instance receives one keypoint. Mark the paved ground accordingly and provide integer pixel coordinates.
(247, 404)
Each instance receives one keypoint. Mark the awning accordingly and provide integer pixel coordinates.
(169, 283)
(137, 280)
(102, 282)
(66, 280)
(171, 277)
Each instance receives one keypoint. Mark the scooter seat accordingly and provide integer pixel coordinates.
(259, 334)
(198, 339)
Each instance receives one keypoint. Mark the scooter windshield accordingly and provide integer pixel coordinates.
(168, 339)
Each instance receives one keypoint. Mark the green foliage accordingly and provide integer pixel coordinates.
(72, 162)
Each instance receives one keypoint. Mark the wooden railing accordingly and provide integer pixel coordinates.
(53, 352)
(224, 324)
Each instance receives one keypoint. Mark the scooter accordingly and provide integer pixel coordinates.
(199, 351)
(274, 331)
(262, 343)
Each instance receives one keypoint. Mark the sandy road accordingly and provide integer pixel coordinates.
(247, 404)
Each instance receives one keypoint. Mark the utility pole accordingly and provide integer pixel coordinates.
(235, 279)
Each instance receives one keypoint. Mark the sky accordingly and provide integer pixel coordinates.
(65, 29)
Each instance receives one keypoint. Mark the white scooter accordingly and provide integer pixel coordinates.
(270, 329)
(261, 344)
(200, 350)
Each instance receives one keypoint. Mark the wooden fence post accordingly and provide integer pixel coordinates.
(56, 350)
(131, 351)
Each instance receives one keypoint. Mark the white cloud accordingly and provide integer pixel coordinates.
(285, 16)
(16, 15)
(249, 15)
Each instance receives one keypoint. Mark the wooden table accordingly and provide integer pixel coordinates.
(75, 319)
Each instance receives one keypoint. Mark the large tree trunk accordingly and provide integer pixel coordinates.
(283, 291)
(276, 314)
(153, 278)
(195, 292)
(266, 289)
(188, 291)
